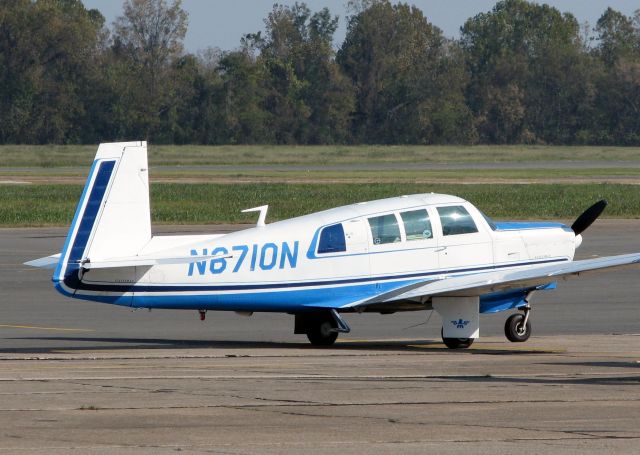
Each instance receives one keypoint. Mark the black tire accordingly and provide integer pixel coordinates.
(456, 343)
(514, 331)
(321, 334)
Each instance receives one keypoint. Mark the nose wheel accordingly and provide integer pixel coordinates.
(517, 328)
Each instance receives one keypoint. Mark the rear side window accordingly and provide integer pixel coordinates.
(332, 239)
(456, 220)
(417, 225)
(384, 229)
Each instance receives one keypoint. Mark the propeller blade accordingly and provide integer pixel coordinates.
(588, 217)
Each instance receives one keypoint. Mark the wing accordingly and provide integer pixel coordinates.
(499, 280)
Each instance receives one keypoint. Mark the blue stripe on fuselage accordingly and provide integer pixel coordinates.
(274, 286)
(299, 299)
(267, 296)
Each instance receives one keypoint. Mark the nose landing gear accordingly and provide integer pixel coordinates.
(517, 328)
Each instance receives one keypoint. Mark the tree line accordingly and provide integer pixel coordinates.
(520, 73)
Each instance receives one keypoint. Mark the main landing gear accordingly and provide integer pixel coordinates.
(322, 328)
(456, 343)
(517, 328)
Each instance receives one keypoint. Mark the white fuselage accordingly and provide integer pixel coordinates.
(330, 258)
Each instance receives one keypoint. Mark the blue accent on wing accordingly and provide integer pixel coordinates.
(502, 301)
(519, 225)
(508, 300)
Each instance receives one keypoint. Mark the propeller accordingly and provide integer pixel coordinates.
(588, 217)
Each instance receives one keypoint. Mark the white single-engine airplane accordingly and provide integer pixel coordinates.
(418, 252)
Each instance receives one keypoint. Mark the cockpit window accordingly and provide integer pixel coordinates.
(417, 225)
(384, 229)
(456, 220)
(332, 239)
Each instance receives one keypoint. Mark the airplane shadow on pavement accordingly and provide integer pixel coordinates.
(71, 344)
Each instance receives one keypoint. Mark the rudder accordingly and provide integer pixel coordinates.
(112, 218)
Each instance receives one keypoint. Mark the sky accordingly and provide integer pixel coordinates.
(221, 23)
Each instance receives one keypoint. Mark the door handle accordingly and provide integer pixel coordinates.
(442, 248)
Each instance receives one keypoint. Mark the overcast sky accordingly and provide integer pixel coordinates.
(221, 23)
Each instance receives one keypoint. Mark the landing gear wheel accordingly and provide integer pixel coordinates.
(323, 333)
(456, 343)
(515, 328)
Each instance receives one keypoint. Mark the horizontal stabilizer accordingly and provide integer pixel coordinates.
(142, 261)
(48, 262)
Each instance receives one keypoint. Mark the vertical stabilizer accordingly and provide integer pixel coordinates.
(113, 216)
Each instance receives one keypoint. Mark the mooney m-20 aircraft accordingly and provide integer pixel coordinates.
(418, 252)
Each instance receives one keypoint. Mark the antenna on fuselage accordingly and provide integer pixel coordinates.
(263, 214)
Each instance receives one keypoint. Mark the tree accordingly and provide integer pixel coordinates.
(616, 36)
(246, 120)
(529, 72)
(147, 41)
(618, 95)
(47, 48)
(408, 77)
(308, 97)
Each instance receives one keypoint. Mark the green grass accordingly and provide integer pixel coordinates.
(47, 156)
(406, 176)
(595, 175)
(38, 205)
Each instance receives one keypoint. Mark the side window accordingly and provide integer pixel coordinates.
(384, 229)
(332, 239)
(456, 220)
(489, 221)
(417, 225)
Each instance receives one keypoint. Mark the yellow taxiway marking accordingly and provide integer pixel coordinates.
(33, 327)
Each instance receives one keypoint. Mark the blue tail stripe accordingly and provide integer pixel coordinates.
(57, 275)
(67, 269)
(91, 211)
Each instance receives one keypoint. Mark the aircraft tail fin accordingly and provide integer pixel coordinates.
(113, 215)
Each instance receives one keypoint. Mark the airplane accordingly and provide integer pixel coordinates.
(407, 253)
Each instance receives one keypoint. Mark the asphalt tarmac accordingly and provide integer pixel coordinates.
(89, 378)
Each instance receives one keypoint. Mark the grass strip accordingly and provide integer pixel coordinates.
(59, 175)
(48, 156)
(46, 205)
